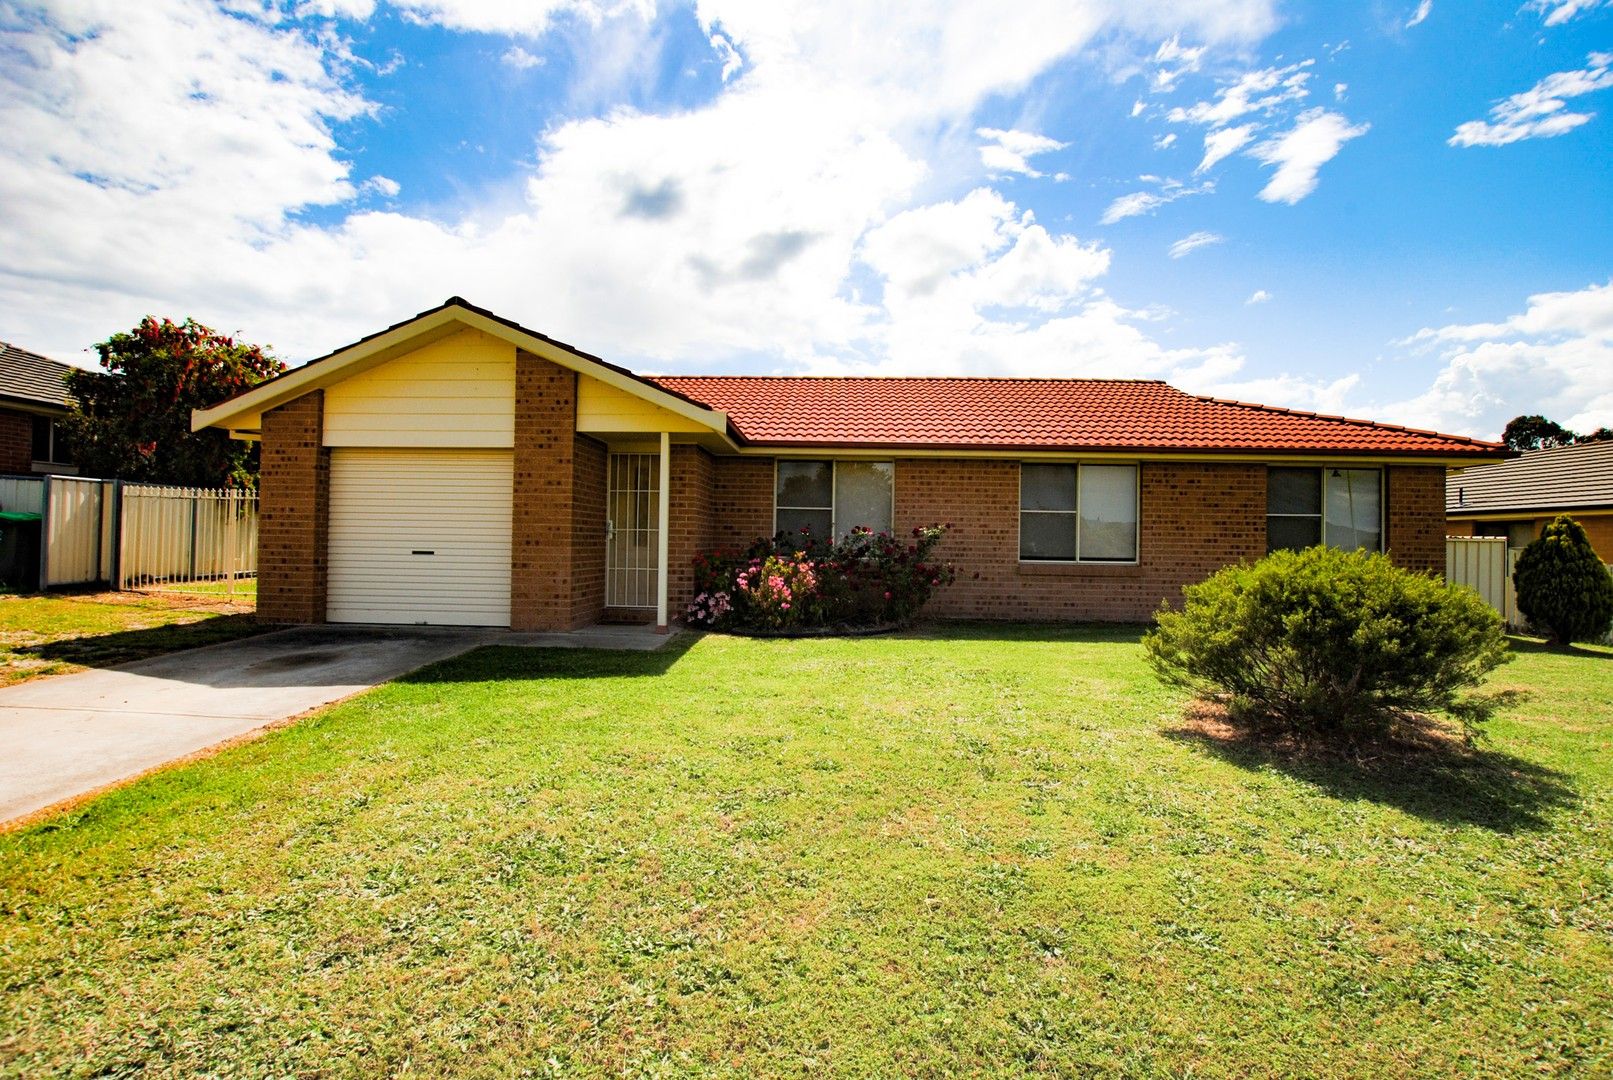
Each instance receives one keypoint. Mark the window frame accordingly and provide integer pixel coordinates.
(53, 441)
(1137, 518)
(834, 490)
(1323, 475)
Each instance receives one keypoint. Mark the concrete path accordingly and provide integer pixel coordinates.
(63, 737)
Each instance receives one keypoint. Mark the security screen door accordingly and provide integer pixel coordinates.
(632, 531)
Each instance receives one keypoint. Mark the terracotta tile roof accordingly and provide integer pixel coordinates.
(1562, 478)
(1038, 414)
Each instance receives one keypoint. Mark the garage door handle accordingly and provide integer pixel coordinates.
(417, 551)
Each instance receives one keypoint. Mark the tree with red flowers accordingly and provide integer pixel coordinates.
(132, 420)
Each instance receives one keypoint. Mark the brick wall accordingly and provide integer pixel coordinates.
(692, 527)
(293, 512)
(543, 531)
(16, 442)
(1195, 519)
(741, 500)
(588, 483)
(1416, 534)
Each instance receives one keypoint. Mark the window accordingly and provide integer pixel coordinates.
(49, 445)
(830, 498)
(1339, 507)
(1078, 513)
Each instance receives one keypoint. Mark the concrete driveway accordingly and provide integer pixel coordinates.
(66, 736)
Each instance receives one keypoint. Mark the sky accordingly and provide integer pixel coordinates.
(1393, 209)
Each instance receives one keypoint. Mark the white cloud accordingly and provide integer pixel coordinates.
(749, 228)
(1194, 241)
(1165, 141)
(1146, 202)
(1557, 12)
(529, 17)
(1008, 151)
(1422, 12)
(519, 59)
(1172, 60)
(1298, 154)
(1223, 141)
(1339, 90)
(1554, 358)
(1259, 296)
(1255, 91)
(1540, 111)
(385, 185)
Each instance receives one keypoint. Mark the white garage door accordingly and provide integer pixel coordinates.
(420, 536)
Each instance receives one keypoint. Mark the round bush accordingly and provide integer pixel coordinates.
(1563, 588)
(1327, 641)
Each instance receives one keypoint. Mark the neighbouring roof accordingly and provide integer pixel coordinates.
(1562, 478)
(1040, 414)
(27, 376)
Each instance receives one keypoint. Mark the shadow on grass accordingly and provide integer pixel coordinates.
(1539, 646)
(124, 646)
(1423, 770)
(500, 663)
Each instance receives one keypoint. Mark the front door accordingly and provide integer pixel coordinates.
(632, 531)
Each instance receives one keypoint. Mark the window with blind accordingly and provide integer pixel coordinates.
(830, 498)
(1339, 507)
(1078, 513)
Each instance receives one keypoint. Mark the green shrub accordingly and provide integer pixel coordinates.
(1328, 641)
(1563, 588)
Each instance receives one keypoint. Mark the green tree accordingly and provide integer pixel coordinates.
(1536, 433)
(1563, 588)
(132, 420)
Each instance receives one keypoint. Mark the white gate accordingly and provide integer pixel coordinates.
(195, 539)
(633, 537)
(1484, 564)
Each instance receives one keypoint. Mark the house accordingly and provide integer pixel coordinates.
(1517, 498)
(458, 468)
(33, 396)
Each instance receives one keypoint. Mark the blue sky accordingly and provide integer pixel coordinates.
(1406, 217)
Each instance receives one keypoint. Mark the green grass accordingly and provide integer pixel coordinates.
(56, 633)
(242, 589)
(990, 852)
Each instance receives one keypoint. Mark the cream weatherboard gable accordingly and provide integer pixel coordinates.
(455, 392)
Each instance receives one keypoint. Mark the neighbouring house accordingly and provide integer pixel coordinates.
(1517, 498)
(33, 397)
(458, 468)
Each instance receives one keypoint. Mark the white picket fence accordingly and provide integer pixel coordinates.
(138, 536)
(176, 535)
(1484, 564)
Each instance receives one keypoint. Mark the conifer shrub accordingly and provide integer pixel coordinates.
(1324, 642)
(1563, 588)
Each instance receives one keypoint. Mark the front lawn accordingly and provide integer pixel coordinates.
(984, 852)
(56, 633)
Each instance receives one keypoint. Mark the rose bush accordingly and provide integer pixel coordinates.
(795, 581)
